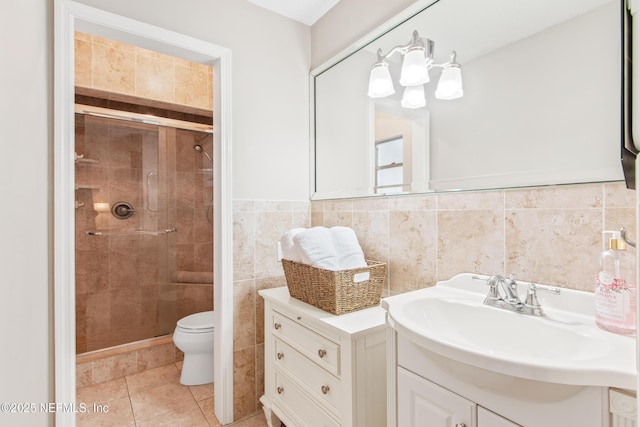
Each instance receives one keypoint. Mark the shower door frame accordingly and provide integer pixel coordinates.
(68, 17)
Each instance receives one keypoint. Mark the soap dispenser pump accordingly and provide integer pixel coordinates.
(615, 291)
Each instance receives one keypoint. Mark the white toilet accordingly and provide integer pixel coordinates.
(194, 336)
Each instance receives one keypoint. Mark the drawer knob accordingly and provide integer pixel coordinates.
(277, 325)
(322, 353)
(280, 390)
(325, 389)
(280, 356)
(461, 425)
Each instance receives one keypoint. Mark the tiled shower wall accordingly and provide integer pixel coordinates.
(549, 235)
(130, 70)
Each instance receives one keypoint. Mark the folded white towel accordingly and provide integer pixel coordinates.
(347, 248)
(290, 251)
(317, 249)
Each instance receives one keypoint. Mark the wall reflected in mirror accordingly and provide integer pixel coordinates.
(541, 105)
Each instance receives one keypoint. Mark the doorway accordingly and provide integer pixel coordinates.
(71, 16)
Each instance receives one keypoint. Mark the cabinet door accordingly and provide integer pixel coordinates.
(425, 404)
(487, 418)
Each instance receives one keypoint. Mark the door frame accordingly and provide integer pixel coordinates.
(68, 17)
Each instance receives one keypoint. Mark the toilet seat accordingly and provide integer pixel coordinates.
(197, 323)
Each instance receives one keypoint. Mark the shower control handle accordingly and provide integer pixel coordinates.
(122, 210)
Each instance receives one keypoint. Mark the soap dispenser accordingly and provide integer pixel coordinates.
(615, 291)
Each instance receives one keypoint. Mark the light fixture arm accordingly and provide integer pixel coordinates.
(452, 62)
(416, 41)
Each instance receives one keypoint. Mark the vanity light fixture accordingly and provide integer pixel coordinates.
(417, 61)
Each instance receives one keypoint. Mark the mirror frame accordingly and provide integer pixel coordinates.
(629, 150)
(69, 16)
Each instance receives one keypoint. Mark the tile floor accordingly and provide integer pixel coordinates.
(152, 398)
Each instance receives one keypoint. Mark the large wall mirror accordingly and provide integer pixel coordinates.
(541, 104)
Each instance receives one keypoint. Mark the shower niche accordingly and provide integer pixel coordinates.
(144, 213)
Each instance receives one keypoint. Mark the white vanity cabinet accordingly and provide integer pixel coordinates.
(321, 369)
(426, 386)
(423, 403)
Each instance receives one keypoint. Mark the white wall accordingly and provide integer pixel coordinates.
(270, 93)
(25, 176)
(348, 21)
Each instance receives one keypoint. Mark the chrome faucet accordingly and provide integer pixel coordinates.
(503, 294)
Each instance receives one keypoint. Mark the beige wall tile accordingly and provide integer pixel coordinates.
(470, 241)
(244, 303)
(372, 229)
(193, 87)
(560, 197)
(554, 246)
(155, 79)
(334, 218)
(113, 69)
(114, 367)
(244, 242)
(244, 380)
(156, 356)
(419, 202)
(617, 195)
(83, 60)
(413, 245)
(270, 226)
(481, 200)
(84, 376)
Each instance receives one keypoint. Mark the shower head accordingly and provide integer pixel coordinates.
(199, 149)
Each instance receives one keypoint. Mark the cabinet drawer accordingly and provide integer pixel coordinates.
(298, 406)
(314, 346)
(320, 383)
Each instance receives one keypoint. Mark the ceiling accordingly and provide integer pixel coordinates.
(305, 11)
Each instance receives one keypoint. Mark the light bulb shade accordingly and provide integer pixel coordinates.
(380, 83)
(413, 97)
(414, 69)
(450, 83)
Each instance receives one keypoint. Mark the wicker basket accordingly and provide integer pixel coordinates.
(337, 292)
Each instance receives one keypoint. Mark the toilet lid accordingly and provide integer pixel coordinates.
(203, 320)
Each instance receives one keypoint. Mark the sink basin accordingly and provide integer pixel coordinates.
(564, 346)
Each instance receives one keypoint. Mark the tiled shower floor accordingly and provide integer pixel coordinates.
(152, 398)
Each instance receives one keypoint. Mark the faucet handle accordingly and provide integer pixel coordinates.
(532, 296)
(493, 287)
(532, 301)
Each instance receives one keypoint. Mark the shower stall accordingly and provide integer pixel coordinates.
(144, 213)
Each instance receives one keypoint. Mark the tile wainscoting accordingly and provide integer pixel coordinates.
(545, 234)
